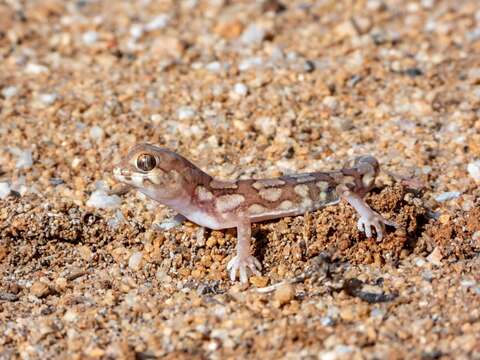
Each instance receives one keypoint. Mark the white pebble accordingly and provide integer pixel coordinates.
(96, 133)
(252, 35)
(474, 170)
(267, 125)
(9, 91)
(101, 200)
(157, 23)
(473, 35)
(214, 66)
(428, 4)
(116, 220)
(250, 63)
(240, 89)
(35, 69)
(468, 283)
(331, 102)
(136, 31)
(135, 260)
(156, 118)
(70, 316)
(90, 37)
(25, 159)
(186, 113)
(48, 99)
(446, 196)
(4, 190)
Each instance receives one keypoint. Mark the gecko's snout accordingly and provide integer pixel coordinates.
(120, 173)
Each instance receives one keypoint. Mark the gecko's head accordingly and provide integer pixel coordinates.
(151, 170)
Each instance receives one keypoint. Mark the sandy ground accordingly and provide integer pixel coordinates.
(243, 89)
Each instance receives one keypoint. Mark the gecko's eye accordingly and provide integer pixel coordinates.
(146, 162)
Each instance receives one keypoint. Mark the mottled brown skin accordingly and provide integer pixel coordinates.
(174, 181)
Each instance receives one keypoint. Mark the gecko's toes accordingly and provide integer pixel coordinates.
(377, 222)
(240, 265)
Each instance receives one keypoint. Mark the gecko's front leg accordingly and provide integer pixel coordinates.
(243, 260)
(368, 217)
(365, 170)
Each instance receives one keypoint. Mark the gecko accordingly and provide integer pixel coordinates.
(172, 180)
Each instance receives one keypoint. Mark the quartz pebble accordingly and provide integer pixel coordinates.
(474, 170)
(240, 89)
(90, 37)
(244, 89)
(9, 92)
(24, 158)
(96, 133)
(48, 99)
(446, 196)
(186, 113)
(135, 260)
(252, 35)
(4, 189)
(157, 23)
(100, 199)
(35, 69)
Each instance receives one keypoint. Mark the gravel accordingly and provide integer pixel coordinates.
(243, 89)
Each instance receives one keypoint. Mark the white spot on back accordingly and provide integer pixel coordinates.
(203, 194)
(257, 209)
(322, 185)
(307, 203)
(286, 205)
(301, 190)
(228, 202)
(272, 194)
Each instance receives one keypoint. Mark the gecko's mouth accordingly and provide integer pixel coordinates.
(128, 177)
(122, 175)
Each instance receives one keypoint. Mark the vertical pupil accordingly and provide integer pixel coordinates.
(146, 162)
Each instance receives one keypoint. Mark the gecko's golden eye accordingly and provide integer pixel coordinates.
(146, 162)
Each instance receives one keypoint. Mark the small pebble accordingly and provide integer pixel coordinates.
(40, 289)
(214, 66)
(252, 35)
(25, 159)
(101, 200)
(35, 69)
(115, 221)
(96, 133)
(48, 99)
(474, 170)
(9, 91)
(250, 63)
(284, 294)
(90, 37)
(435, 257)
(136, 31)
(156, 118)
(4, 189)
(240, 89)
(186, 113)
(330, 102)
(135, 261)
(446, 196)
(157, 23)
